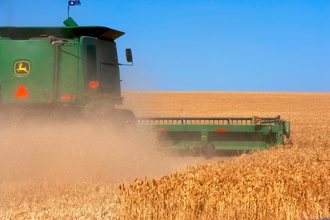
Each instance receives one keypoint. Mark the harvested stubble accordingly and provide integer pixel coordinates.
(57, 200)
(286, 182)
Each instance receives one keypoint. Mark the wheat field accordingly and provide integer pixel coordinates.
(284, 182)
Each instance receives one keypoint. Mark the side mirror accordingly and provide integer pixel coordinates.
(129, 56)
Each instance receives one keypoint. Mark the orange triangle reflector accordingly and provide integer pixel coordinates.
(22, 92)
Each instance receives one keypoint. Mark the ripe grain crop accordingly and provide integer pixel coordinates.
(285, 182)
(276, 184)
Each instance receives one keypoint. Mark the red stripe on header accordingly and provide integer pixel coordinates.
(220, 130)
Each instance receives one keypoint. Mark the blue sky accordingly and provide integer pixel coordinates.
(230, 45)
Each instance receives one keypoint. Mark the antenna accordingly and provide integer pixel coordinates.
(72, 3)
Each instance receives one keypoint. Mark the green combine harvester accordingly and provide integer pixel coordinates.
(77, 68)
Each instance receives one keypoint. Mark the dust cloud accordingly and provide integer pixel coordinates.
(80, 149)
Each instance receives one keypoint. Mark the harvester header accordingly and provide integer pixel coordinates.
(218, 134)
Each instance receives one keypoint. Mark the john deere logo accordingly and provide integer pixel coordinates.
(22, 68)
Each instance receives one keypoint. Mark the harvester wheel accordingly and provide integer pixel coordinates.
(209, 151)
(125, 116)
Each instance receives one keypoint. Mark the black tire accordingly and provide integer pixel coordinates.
(125, 116)
(209, 151)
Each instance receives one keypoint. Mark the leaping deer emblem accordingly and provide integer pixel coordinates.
(22, 67)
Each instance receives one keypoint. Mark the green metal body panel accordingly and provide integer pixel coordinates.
(187, 134)
(39, 86)
(70, 77)
(57, 67)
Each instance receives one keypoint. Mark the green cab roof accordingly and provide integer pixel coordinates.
(60, 32)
